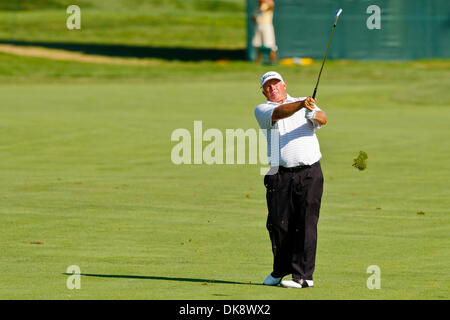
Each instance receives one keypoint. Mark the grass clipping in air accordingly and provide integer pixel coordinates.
(361, 161)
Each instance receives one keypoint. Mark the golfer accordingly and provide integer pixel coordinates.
(294, 191)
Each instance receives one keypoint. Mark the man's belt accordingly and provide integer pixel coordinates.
(297, 168)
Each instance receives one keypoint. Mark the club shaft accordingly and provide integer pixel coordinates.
(323, 62)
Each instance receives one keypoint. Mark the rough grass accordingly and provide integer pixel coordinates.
(200, 24)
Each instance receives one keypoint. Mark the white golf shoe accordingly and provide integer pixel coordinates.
(271, 281)
(298, 284)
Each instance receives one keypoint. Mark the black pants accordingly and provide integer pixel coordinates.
(293, 201)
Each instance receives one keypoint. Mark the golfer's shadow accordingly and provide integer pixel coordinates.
(206, 281)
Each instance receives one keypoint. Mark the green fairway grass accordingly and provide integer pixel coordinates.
(86, 170)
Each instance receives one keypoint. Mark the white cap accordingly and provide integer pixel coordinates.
(270, 75)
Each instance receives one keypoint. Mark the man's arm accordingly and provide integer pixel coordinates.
(317, 116)
(321, 117)
(288, 109)
(270, 3)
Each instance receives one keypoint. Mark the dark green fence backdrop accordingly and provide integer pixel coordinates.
(409, 29)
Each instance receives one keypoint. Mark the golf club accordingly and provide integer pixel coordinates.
(338, 13)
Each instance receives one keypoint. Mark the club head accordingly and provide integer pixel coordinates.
(338, 13)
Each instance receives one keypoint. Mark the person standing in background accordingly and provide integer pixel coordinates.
(264, 31)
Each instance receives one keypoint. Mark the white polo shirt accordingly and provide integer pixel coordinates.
(298, 143)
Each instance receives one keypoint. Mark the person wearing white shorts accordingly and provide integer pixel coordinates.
(264, 31)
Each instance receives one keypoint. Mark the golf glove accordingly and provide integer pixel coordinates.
(311, 115)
